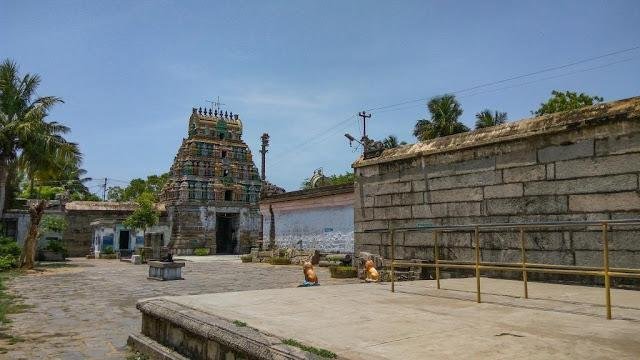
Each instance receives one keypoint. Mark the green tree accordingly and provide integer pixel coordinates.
(145, 216)
(153, 185)
(29, 142)
(445, 111)
(565, 101)
(25, 136)
(486, 118)
(391, 142)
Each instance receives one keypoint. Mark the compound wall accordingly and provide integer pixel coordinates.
(578, 165)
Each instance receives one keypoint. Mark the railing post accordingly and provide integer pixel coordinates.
(436, 255)
(477, 238)
(393, 259)
(524, 263)
(607, 278)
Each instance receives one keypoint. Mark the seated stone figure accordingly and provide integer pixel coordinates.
(310, 277)
(371, 272)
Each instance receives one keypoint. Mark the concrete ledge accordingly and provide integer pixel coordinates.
(199, 335)
(418, 321)
(152, 349)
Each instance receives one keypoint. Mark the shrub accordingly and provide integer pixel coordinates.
(9, 253)
(53, 223)
(108, 250)
(335, 257)
(279, 260)
(7, 262)
(247, 258)
(201, 252)
(57, 247)
(343, 272)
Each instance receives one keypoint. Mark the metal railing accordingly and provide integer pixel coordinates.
(523, 266)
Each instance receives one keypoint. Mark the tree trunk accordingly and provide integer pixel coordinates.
(272, 229)
(28, 257)
(4, 174)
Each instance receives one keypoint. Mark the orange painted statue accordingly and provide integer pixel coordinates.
(310, 277)
(372, 273)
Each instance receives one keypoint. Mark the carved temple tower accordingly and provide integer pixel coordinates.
(214, 187)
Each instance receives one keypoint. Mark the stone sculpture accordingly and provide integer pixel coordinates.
(310, 277)
(371, 272)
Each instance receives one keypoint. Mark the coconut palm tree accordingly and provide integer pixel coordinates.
(445, 111)
(486, 118)
(391, 142)
(25, 136)
(36, 146)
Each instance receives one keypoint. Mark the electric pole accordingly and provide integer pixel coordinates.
(263, 151)
(364, 117)
(104, 190)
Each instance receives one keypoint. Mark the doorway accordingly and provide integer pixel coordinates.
(123, 240)
(226, 233)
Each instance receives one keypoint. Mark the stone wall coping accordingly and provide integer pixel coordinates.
(309, 193)
(245, 340)
(105, 206)
(620, 110)
(160, 264)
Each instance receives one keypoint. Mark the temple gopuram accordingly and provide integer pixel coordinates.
(214, 187)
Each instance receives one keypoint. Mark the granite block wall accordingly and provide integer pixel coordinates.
(581, 165)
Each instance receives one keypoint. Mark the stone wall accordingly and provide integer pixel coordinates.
(195, 227)
(78, 237)
(579, 165)
(316, 219)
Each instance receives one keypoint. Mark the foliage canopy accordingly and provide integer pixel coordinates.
(146, 215)
(444, 112)
(392, 141)
(564, 101)
(487, 118)
(152, 185)
(29, 143)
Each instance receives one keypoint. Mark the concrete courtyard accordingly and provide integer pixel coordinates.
(87, 310)
(367, 321)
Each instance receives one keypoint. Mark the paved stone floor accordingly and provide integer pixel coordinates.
(87, 311)
(418, 321)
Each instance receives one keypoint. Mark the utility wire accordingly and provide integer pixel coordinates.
(313, 137)
(332, 130)
(520, 84)
(312, 142)
(553, 68)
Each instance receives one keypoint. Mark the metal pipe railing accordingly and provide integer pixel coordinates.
(523, 266)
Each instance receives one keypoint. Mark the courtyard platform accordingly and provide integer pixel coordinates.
(367, 321)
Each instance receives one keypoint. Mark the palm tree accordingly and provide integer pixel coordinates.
(391, 142)
(24, 133)
(445, 111)
(28, 141)
(486, 118)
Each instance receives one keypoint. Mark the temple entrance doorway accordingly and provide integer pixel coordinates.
(123, 240)
(227, 233)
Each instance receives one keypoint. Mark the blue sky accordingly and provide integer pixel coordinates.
(130, 71)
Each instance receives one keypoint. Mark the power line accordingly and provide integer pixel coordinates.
(553, 68)
(330, 131)
(521, 84)
(311, 138)
(313, 142)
